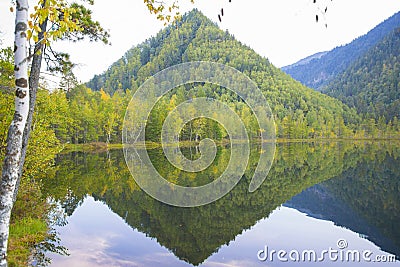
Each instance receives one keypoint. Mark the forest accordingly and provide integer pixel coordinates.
(78, 113)
(84, 116)
(323, 69)
(371, 84)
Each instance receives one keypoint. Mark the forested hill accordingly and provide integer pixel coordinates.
(322, 70)
(372, 83)
(300, 111)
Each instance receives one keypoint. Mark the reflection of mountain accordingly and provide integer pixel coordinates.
(193, 234)
(364, 199)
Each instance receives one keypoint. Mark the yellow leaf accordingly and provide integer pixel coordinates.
(37, 28)
(35, 38)
(11, 9)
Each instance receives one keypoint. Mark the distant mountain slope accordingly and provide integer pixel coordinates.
(306, 60)
(372, 83)
(300, 111)
(320, 71)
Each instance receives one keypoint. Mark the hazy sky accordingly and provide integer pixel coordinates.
(284, 31)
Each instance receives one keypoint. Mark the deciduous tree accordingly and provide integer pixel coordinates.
(15, 133)
(52, 20)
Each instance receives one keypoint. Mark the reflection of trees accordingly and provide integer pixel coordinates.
(79, 174)
(193, 234)
(364, 198)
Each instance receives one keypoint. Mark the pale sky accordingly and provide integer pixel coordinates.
(284, 31)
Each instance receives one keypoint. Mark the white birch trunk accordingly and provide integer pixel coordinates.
(14, 139)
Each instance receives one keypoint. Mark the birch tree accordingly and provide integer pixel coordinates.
(52, 20)
(15, 133)
(55, 20)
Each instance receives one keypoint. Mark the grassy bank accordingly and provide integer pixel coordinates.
(24, 235)
(29, 224)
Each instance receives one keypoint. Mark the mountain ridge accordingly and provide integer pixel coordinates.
(300, 112)
(319, 72)
(306, 60)
(371, 83)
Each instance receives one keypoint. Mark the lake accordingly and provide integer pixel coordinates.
(322, 204)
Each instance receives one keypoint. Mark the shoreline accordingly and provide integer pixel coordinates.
(102, 146)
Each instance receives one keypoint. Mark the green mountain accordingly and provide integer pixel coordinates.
(372, 83)
(300, 111)
(320, 69)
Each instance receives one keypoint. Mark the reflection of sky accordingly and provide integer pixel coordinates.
(95, 236)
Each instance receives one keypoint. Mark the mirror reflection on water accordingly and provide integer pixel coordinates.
(341, 196)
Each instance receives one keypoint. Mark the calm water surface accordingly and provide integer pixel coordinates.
(314, 196)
